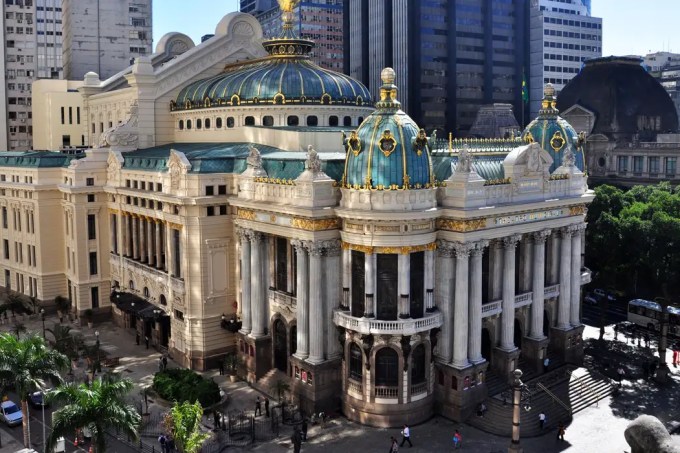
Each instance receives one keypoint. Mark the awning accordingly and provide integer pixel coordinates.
(141, 308)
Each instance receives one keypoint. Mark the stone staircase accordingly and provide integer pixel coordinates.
(573, 389)
(267, 383)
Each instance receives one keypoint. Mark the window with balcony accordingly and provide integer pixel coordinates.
(418, 365)
(417, 296)
(386, 286)
(387, 368)
(355, 362)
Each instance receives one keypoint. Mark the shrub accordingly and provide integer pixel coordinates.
(181, 385)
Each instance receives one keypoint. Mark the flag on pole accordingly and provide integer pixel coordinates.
(525, 90)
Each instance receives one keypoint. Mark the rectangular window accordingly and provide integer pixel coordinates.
(70, 115)
(637, 164)
(93, 263)
(65, 141)
(671, 163)
(77, 115)
(653, 165)
(222, 189)
(210, 190)
(62, 115)
(179, 315)
(4, 217)
(91, 227)
(223, 209)
(94, 296)
(281, 264)
(91, 198)
(210, 210)
(159, 187)
(89, 182)
(622, 164)
(5, 244)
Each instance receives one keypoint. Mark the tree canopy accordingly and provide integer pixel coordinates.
(633, 239)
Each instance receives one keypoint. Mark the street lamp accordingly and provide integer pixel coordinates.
(96, 363)
(520, 394)
(42, 316)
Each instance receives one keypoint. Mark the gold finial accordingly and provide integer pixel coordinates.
(287, 5)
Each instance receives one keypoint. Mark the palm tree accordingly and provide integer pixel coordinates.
(99, 406)
(27, 363)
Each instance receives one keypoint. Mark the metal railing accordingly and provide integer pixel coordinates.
(386, 392)
(554, 397)
(492, 308)
(417, 389)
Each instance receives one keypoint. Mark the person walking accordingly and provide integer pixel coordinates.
(258, 406)
(560, 432)
(146, 340)
(394, 446)
(676, 354)
(546, 364)
(221, 367)
(652, 368)
(616, 331)
(457, 440)
(296, 438)
(406, 436)
(619, 375)
(266, 406)
(481, 409)
(163, 441)
(165, 362)
(304, 429)
(541, 420)
(137, 338)
(646, 339)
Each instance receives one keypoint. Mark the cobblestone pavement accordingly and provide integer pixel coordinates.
(598, 429)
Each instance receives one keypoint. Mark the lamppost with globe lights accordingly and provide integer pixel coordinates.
(42, 317)
(520, 394)
(95, 367)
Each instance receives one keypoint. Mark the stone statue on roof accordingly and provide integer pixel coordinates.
(313, 163)
(464, 164)
(569, 159)
(254, 159)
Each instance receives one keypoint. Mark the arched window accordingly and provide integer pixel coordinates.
(347, 121)
(230, 122)
(181, 125)
(293, 120)
(418, 365)
(333, 120)
(188, 124)
(146, 292)
(387, 368)
(250, 121)
(198, 123)
(131, 285)
(268, 120)
(207, 123)
(360, 120)
(355, 362)
(218, 123)
(163, 300)
(312, 120)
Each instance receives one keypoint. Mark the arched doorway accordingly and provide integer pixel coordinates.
(280, 346)
(486, 344)
(518, 334)
(546, 324)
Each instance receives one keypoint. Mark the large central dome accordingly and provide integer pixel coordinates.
(286, 76)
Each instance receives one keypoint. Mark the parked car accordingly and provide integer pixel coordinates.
(590, 299)
(602, 294)
(37, 400)
(10, 413)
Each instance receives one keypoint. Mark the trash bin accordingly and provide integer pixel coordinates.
(61, 445)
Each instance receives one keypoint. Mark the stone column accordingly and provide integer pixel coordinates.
(496, 277)
(135, 239)
(429, 280)
(149, 241)
(120, 234)
(332, 295)
(404, 285)
(257, 296)
(316, 304)
(525, 277)
(565, 279)
(142, 239)
(159, 247)
(445, 253)
(126, 234)
(170, 251)
(576, 238)
(346, 278)
(302, 302)
(369, 285)
(538, 285)
(460, 311)
(554, 264)
(508, 315)
(245, 281)
(475, 304)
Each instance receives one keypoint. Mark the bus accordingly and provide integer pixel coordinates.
(647, 314)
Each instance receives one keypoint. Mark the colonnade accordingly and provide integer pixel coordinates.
(148, 240)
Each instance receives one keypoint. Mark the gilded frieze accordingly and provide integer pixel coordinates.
(578, 210)
(461, 225)
(246, 214)
(405, 250)
(315, 224)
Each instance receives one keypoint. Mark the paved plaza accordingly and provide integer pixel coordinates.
(597, 429)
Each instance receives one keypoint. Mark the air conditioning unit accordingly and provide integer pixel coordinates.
(23, 120)
(20, 21)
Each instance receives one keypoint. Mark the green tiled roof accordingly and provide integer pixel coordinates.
(36, 159)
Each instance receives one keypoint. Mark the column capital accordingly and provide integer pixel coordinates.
(256, 236)
(509, 242)
(445, 248)
(579, 227)
(463, 249)
(479, 247)
(243, 233)
(568, 231)
(539, 237)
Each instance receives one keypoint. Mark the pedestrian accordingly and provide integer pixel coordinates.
(258, 406)
(646, 339)
(481, 409)
(304, 429)
(221, 365)
(296, 438)
(163, 441)
(676, 354)
(165, 362)
(394, 446)
(216, 420)
(616, 331)
(137, 338)
(619, 375)
(560, 431)
(457, 440)
(541, 419)
(406, 436)
(170, 444)
(546, 364)
(160, 364)
(652, 368)
(146, 340)
(266, 406)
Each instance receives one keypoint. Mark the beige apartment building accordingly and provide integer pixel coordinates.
(57, 115)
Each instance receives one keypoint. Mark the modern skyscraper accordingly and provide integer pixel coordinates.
(320, 21)
(562, 36)
(104, 36)
(450, 56)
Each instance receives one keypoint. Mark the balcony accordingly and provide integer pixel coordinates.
(282, 299)
(148, 272)
(552, 291)
(367, 326)
(354, 387)
(492, 308)
(524, 299)
(417, 389)
(387, 392)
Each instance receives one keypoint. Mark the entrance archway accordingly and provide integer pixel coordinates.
(486, 344)
(280, 346)
(518, 334)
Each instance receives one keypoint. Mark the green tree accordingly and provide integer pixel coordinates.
(184, 422)
(98, 406)
(28, 363)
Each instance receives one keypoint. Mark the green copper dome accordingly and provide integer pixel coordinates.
(286, 76)
(388, 150)
(554, 133)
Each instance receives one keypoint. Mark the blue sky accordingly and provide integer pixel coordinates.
(629, 26)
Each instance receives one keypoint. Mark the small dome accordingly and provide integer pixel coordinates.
(554, 133)
(388, 150)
